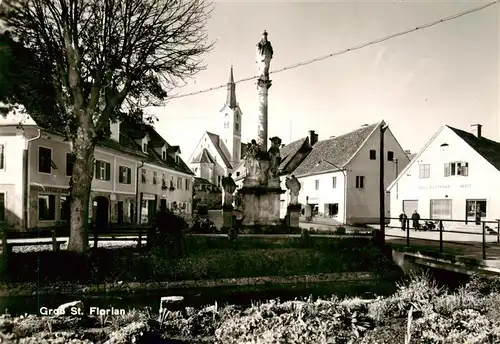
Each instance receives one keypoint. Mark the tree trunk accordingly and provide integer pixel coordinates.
(81, 182)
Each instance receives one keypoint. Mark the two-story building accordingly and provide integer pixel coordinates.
(452, 177)
(132, 174)
(340, 175)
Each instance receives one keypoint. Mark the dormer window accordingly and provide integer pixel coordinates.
(164, 154)
(145, 147)
(177, 159)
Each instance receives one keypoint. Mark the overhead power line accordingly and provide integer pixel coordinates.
(344, 51)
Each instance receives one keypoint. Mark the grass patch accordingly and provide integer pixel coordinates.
(427, 248)
(206, 258)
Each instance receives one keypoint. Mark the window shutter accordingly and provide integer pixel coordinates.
(129, 176)
(108, 171)
(120, 174)
(97, 164)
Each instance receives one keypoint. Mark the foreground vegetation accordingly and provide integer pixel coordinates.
(204, 258)
(419, 312)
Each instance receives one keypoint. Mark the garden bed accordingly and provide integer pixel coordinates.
(419, 312)
(205, 258)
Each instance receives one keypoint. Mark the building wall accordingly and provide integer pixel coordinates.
(54, 186)
(363, 205)
(11, 175)
(479, 184)
(324, 195)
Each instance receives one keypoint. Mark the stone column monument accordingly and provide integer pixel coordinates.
(264, 56)
(261, 187)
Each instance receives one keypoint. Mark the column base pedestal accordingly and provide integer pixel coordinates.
(293, 215)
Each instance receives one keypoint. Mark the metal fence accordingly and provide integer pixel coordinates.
(488, 232)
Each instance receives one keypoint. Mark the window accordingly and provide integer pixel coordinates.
(373, 154)
(187, 184)
(316, 184)
(163, 180)
(218, 180)
(70, 161)
(226, 125)
(237, 117)
(236, 126)
(179, 183)
(102, 170)
(124, 175)
(360, 182)
(476, 207)
(164, 155)
(45, 164)
(145, 147)
(2, 206)
(237, 174)
(155, 178)
(390, 156)
(177, 159)
(334, 182)
(65, 207)
(441, 209)
(457, 168)
(332, 209)
(424, 171)
(46, 207)
(143, 176)
(2, 157)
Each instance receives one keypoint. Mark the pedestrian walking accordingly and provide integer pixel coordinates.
(416, 218)
(403, 218)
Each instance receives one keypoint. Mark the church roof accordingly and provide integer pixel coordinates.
(203, 157)
(216, 142)
(338, 150)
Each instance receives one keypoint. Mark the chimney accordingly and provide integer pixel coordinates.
(477, 130)
(313, 137)
(114, 128)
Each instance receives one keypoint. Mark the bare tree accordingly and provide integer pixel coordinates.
(110, 59)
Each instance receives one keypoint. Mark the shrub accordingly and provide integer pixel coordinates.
(340, 231)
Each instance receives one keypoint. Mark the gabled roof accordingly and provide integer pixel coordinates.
(488, 149)
(203, 157)
(338, 150)
(216, 142)
(289, 151)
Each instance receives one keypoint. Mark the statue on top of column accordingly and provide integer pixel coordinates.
(264, 56)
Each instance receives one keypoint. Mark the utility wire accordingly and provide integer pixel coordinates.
(361, 46)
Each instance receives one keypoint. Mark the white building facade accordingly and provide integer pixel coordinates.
(35, 169)
(340, 176)
(455, 176)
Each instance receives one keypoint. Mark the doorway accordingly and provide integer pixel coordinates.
(475, 210)
(120, 213)
(101, 211)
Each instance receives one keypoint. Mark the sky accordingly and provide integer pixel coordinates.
(446, 74)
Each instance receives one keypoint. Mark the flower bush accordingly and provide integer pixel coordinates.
(468, 315)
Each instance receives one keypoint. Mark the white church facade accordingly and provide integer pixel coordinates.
(216, 155)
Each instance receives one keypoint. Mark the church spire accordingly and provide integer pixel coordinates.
(231, 91)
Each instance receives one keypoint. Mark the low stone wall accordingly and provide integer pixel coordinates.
(34, 289)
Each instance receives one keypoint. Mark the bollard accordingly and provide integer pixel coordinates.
(441, 236)
(484, 240)
(55, 245)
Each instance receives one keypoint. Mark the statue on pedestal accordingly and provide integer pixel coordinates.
(274, 156)
(264, 56)
(252, 158)
(229, 187)
(293, 185)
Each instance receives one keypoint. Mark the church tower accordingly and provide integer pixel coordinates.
(231, 123)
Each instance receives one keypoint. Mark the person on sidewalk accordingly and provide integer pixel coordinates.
(403, 218)
(416, 218)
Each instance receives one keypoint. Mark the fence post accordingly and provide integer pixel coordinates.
(55, 246)
(441, 236)
(484, 240)
(95, 236)
(5, 246)
(139, 241)
(498, 230)
(407, 232)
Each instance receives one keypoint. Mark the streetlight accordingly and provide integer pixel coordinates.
(344, 172)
